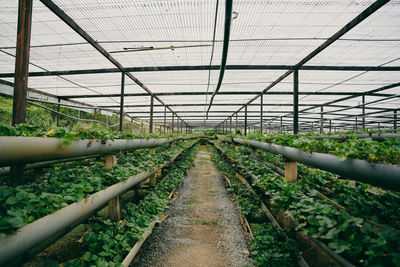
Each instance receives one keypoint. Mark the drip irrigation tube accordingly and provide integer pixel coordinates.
(20, 150)
(382, 175)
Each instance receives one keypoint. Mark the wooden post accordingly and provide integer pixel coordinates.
(113, 205)
(291, 171)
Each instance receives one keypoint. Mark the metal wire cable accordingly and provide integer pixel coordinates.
(212, 55)
(228, 20)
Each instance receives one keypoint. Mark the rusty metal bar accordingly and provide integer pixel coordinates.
(22, 61)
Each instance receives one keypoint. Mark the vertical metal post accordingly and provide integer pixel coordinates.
(173, 122)
(151, 114)
(21, 77)
(356, 123)
(245, 120)
(230, 125)
(295, 101)
(321, 130)
(121, 109)
(181, 123)
(395, 120)
(312, 126)
(236, 125)
(165, 119)
(281, 126)
(22, 61)
(363, 112)
(330, 125)
(261, 113)
(58, 115)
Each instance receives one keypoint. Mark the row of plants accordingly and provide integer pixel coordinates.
(387, 151)
(347, 232)
(380, 207)
(270, 246)
(77, 132)
(107, 243)
(63, 184)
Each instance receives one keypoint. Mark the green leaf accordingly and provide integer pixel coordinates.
(12, 200)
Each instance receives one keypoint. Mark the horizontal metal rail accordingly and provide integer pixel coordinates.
(381, 175)
(376, 137)
(20, 150)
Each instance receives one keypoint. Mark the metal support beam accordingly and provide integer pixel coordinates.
(295, 102)
(236, 124)
(281, 126)
(245, 120)
(230, 125)
(22, 61)
(395, 120)
(165, 119)
(58, 115)
(173, 122)
(363, 112)
(21, 76)
(261, 113)
(205, 67)
(121, 110)
(346, 28)
(151, 114)
(321, 128)
(330, 125)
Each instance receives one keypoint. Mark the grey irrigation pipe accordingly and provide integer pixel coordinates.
(228, 19)
(381, 175)
(20, 150)
(49, 228)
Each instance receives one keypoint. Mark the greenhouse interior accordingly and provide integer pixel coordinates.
(199, 133)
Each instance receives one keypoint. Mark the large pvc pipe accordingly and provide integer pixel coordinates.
(376, 137)
(44, 228)
(20, 150)
(382, 175)
(6, 170)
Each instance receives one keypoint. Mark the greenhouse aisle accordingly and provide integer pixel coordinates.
(203, 225)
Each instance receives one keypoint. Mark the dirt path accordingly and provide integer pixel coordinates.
(203, 225)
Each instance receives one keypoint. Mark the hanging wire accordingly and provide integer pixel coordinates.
(211, 59)
(228, 20)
